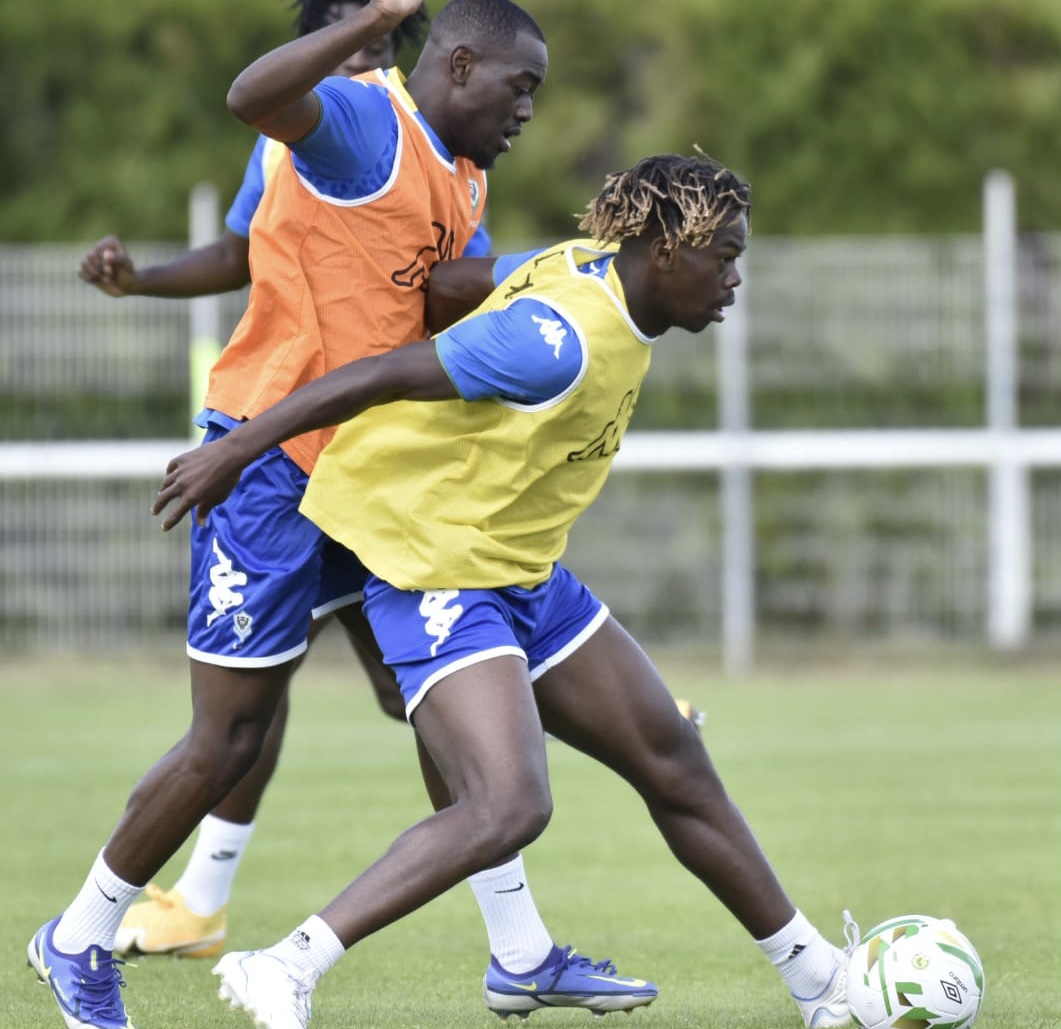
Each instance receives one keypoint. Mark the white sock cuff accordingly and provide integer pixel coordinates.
(488, 876)
(778, 947)
(233, 834)
(112, 883)
(327, 948)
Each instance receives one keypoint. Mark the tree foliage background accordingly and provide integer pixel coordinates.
(846, 115)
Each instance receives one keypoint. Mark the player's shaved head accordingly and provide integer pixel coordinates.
(494, 21)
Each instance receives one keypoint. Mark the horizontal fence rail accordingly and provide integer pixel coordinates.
(867, 450)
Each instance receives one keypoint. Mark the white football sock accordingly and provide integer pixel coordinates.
(97, 911)
(518, 938)
(207, 879)
(312, 948)
(805, 960)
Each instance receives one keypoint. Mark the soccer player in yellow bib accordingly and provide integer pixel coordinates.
(459, 467)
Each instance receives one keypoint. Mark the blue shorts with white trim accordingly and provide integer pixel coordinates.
(260, 570)
(426, 636)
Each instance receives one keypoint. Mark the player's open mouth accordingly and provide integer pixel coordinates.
(506, 139)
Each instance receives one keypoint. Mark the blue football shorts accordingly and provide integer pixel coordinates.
(426, 636)
(260, 570)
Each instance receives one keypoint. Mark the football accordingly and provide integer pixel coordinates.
(915, 972)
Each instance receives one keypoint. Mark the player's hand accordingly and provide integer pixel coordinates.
(108, 267)
(399, 10)
(199, 479)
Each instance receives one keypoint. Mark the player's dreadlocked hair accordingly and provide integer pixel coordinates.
(311, 15)
(686, 199)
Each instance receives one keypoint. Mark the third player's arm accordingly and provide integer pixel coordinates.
(215, 268)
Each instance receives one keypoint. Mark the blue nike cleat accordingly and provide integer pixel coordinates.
(85, 986)
(564, 980)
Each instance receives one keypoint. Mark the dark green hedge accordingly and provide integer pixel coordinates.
(854, 116)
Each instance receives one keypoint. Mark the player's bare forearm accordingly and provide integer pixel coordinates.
(274, 94)
(218, 267)
(455, 288)
(201, 479)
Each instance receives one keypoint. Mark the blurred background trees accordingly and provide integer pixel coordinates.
(847, 116)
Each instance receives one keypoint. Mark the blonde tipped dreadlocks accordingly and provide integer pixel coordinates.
(687, 198)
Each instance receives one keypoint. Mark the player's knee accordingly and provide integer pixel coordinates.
(528, 821)
(682, 776)
(224, 753)
(505, 825)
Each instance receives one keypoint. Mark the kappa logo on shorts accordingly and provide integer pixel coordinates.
(223, 582)
(440, 618)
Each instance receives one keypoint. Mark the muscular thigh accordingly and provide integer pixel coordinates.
(608, 700)
(460, 660)
(480, 724)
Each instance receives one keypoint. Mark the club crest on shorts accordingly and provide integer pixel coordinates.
(242, 625)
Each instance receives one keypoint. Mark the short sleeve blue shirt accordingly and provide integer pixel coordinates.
(526, 353)
(238, 219)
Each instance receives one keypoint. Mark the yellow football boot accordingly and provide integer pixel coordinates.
(162, 924)
(690, 712)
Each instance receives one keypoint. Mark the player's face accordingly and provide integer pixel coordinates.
(379, 54)
(493, 98)
(702, 281)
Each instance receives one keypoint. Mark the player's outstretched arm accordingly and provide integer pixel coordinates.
(274, 94)
(201, 479)
(216, 268)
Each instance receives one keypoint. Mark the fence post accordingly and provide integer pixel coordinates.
(738, 507)
(204, 344)
(1009, 559)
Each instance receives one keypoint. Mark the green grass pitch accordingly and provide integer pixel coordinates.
(932, 788)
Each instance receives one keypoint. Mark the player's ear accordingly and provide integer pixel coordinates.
(460, 64)
(661, 253)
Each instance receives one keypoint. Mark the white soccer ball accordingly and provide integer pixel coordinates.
(915, 972)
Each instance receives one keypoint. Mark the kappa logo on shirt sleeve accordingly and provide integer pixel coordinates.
(553, 332)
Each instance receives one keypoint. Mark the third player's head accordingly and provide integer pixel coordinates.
(476, 79)
(681, 223)
(311, 15)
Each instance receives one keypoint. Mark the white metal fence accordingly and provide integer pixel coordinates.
(869, 452)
